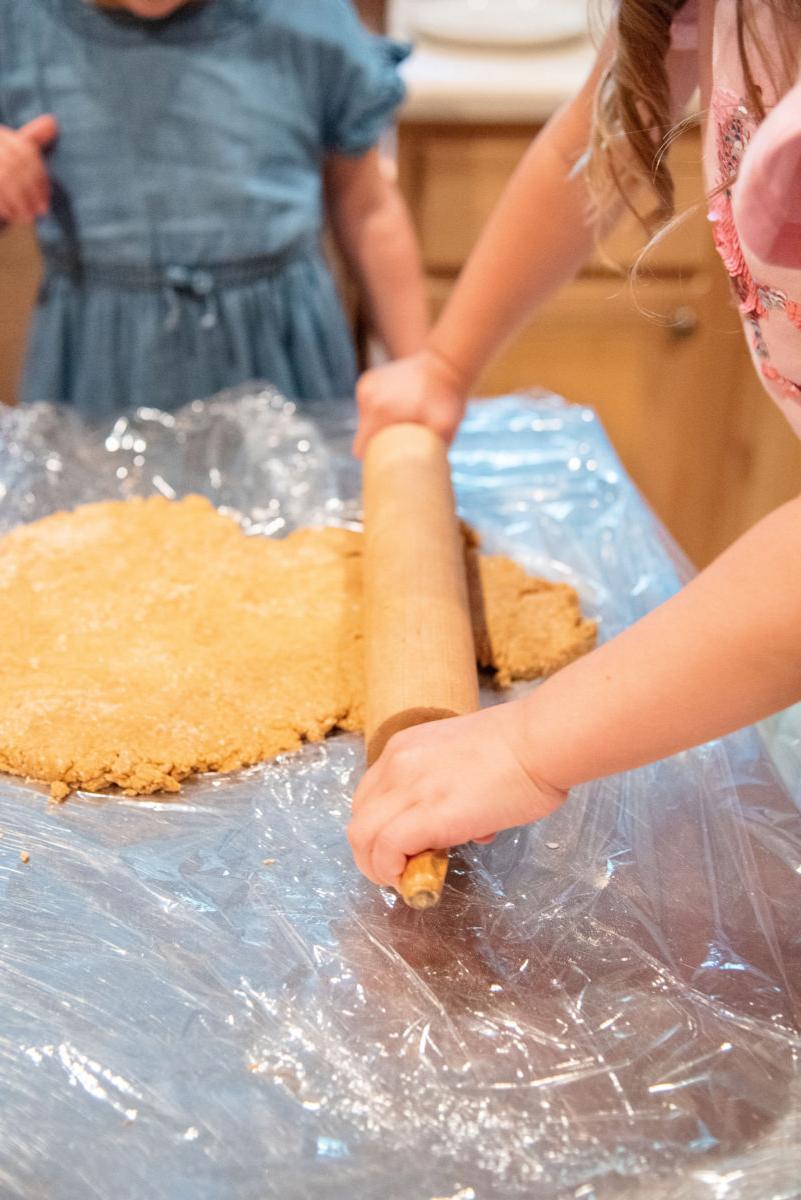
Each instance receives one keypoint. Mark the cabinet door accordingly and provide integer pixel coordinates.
(453, 175)
(763, 467)
(19, 279)
(668, 394)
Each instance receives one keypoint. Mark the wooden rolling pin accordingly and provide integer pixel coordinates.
(421, 663)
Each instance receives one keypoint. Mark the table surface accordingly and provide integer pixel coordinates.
(604, 1004)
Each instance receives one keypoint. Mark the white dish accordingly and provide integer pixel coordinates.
(500, 24)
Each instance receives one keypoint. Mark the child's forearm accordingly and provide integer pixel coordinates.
(385, 256)
(374, 233)
(539, 235)
(723, 653)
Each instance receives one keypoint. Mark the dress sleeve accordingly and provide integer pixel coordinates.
(363, 87)
(767, 194)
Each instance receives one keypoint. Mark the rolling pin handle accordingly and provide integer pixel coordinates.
(424, 878)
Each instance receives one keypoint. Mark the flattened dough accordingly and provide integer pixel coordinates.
(144, 640)
(526, 627)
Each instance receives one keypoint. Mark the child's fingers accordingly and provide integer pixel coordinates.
(11, 167)
(23, 179)
(34, 181)
(29, 198)
(400, 761)
(37, 136)
(376, 409)
(444, 421)
(407, 834)
(373, 782)
(366, 827)
(369, 425)
(365, 789)
(42, 131)
(10, 205)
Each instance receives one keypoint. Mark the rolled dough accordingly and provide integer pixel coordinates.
(144, 640)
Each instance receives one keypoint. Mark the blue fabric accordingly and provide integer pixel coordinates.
(190, 147)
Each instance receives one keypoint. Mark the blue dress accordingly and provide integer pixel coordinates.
(182, 250)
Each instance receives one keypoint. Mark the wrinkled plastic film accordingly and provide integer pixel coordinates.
(200, 996)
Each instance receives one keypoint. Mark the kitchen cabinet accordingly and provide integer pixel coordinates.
(19, 279)
(372, 13)
(662, 360)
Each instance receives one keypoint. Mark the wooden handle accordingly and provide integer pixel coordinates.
(421, 663)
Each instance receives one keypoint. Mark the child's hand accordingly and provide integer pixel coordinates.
(24, 185)
(444, 784)
(424, 389)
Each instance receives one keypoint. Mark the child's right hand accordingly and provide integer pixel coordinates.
(423, 388)
(24, 183)
(444, 784)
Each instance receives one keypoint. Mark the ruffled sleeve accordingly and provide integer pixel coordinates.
(364, 89)
(767, 195)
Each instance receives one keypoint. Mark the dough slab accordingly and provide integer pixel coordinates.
(144, 640)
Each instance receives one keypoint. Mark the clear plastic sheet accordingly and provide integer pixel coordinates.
(201, 999)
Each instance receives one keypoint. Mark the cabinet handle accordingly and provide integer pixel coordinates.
(683, 323)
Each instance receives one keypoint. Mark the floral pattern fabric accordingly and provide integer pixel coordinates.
(733, 126)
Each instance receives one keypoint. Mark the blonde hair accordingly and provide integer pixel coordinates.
(633, 119)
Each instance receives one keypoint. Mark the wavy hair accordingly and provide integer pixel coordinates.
(633, 119)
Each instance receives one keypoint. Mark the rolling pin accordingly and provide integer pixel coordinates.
(420, 657)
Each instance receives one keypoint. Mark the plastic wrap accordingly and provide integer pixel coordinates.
(201, 999)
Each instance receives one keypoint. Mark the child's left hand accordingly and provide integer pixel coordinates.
(444, 784)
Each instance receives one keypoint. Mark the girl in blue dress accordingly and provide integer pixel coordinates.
(180, 158)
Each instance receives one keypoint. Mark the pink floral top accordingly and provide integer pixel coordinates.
(753, 174)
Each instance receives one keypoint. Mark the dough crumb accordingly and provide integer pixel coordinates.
(24, 856)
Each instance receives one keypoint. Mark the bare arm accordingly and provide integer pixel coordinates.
(724, 652)
(374, 232)
(539, 235)
(537, 238)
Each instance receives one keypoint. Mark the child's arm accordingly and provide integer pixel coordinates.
(724, 652)
(539, 235)
(24, 185)
(374, 232)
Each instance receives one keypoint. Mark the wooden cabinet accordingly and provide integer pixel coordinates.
(373, 13)
(663, 361)
(19, 279)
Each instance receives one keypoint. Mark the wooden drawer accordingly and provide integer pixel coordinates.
(452, 177)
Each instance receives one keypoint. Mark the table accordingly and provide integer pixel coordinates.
(605, 1004)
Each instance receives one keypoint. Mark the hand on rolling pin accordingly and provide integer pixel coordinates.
(24, 182)
(423, 388)
(444, 784)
